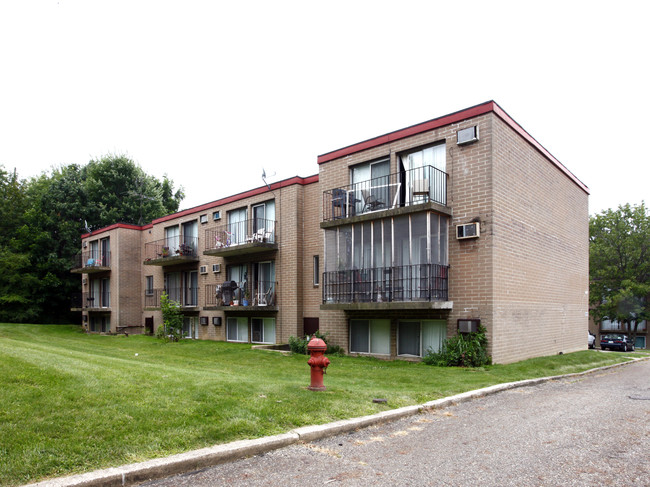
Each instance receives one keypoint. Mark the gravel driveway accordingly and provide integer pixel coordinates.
(587, 431)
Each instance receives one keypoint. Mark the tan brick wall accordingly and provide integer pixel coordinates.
(528, 270)
(541, 268)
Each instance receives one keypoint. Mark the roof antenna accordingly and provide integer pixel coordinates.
(264, 178)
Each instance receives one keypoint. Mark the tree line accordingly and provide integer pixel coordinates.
(619, 266)
(43, 218)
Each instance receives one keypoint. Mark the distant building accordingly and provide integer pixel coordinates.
(399, 242)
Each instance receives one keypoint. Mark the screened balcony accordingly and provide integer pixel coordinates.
(411, 283)
(400, 261)
(425, 184)
(171, 250)
(241, 238)
(91, 261)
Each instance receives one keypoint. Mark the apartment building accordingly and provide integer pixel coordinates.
(236, 266)
(399, 242)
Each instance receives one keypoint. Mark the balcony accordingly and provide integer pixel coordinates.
(91, 301)
(417, 186)
(188, 298)
(241, 238)
(422, 286)
(90, 262)
(171, 251)
(262, 296)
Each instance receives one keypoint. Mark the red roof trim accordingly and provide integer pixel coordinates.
(474, 111)
(531, 140)
(246, 194)
(408, 131)
(113, 227)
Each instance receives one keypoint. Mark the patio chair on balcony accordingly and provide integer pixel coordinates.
(256, 237)
(371, 202)
(339, 197)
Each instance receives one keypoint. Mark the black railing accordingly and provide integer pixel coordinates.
(406, 188)
(255, 230)
(88, 300)
(423, 282)
(260, 293)
(186, 297)
(91, 259)
(171, 247)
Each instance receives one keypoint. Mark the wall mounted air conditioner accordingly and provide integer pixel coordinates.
(203, 320)
(467, 136)
(216, 268)
(468, 326)
(468, 230)
(203, 269)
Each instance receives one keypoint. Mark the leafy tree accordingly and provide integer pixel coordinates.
(172, 327)
(118, 190)
(42, 220)
(619, 255)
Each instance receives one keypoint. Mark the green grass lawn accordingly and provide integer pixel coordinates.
(71, 402)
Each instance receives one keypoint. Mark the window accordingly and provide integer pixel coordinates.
(263, 330)
(237, 329)
(370, 336)
(191, 288)
(425, 177)
(172, 238)
(371, 185)
(148, 287)
(173, 286)
(203, 218)
(239, 274)
(316, 271)
(190, 238)
(264, 273)
(191, 327)
(415, 338)
(237, 226)
(264, 221)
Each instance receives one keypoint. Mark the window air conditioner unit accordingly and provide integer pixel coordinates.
(468, 326)
(467, 136)
(468, 230)
(216, 215)
(203, 269)
(216, 268)
(203, 320)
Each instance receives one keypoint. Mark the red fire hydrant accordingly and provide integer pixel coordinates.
(318, 363)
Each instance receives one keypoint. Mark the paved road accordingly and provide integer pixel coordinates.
(590, 431)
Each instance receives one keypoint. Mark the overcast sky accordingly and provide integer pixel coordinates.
(228, 88)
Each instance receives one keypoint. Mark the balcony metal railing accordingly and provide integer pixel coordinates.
(91, 301)
(423, 282)
(171, 247)
(91, 259)
(254, 230)
(186, 297)
(260, 293)
(405, 188)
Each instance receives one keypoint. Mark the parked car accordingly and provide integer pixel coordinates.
(591, 340)
(616, 341)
